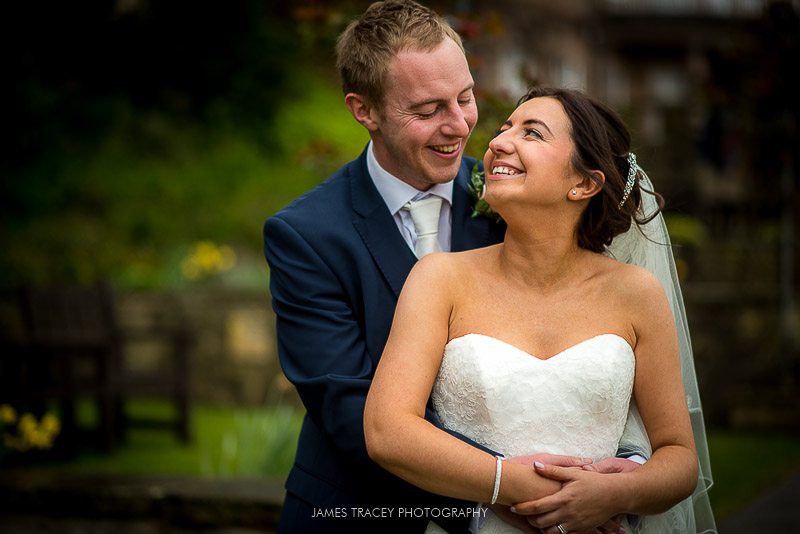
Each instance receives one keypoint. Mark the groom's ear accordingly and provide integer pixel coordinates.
(589, 186)
(362, 111)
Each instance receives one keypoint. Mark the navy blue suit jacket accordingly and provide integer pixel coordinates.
(337, 264)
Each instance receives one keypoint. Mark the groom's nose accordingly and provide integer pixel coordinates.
(459, 120)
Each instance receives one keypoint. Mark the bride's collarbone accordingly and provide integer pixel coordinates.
(505, 294)
(539, 324)
(581, 285)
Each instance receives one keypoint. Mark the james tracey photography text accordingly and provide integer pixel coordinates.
(357, 512)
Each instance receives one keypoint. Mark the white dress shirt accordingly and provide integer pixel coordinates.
(396, 193)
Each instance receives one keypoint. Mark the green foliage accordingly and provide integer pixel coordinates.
(316, 129)
(686, 230)
(76, 72)
(477, 183)
(251, 442)
(132, 213)
(189, 124)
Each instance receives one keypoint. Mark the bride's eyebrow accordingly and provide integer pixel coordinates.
(530, 122)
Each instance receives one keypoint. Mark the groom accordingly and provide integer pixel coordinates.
(340, 254)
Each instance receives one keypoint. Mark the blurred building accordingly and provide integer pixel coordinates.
(650, 59)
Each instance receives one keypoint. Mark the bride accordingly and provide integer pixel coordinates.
(549, 342)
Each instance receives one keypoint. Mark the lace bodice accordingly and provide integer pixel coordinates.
(514, 403)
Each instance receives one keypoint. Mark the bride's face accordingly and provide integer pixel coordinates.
(531, 154)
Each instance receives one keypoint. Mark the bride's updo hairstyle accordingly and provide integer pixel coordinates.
(602, 143)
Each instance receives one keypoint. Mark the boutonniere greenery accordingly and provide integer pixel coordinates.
(481, 208)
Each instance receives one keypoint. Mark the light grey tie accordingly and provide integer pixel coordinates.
(425, 214)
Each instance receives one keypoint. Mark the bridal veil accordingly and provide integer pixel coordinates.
(649, 246)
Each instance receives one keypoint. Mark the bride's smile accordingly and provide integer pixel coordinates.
(503, 171)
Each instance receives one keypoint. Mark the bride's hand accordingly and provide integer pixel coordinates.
(586, 501)
(551, 459)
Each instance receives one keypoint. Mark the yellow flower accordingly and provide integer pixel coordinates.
(26, 432)
(50, 424)
(40, 440)
(207, 259)
(27, 424)
(8, 414)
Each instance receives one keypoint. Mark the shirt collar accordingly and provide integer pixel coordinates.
(395, 192)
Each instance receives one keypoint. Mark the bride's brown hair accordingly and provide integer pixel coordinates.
(602, 143)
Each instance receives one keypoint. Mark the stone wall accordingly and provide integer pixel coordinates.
(233, 357)
(232, 352)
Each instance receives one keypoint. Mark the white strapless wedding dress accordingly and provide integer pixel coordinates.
(575, 402)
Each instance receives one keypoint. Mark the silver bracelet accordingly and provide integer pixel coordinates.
(498, 472)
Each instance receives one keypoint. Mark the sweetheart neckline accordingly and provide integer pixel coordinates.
(571, 347)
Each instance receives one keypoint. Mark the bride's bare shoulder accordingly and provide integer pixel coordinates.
(634, 284)
(441, 266)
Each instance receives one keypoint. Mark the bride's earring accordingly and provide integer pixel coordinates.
(574, 192)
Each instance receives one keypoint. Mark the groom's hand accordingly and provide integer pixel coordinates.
(551, 459)
(515, 520)
(611, 465)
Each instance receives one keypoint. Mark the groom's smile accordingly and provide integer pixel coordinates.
(446, 150)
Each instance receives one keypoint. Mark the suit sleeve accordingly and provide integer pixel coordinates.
(320, 344)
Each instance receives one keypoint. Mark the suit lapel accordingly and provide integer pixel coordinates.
(377, 228)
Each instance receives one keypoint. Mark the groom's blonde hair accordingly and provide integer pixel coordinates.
(368, 44)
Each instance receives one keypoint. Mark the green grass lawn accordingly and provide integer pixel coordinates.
(241, 442)
(745, 465)
(226, 442)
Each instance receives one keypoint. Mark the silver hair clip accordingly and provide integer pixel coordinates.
(633, 169)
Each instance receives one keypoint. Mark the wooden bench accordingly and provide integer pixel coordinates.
(72, 348)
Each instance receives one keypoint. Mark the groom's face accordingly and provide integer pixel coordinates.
(428, 114)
